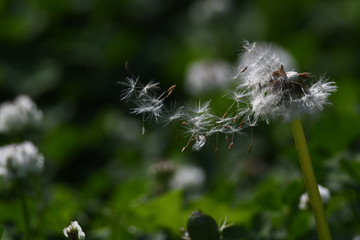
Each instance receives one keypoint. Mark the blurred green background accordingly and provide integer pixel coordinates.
(68, 56)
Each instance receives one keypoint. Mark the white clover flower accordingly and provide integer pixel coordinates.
(74, 231)
(203, 10)
(17, 115)
(304, 201)
(275, 90)
(19, 160)
(188, 176)
(205, 75)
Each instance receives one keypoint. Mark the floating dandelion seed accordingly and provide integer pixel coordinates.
(144, 91)
(131, 85)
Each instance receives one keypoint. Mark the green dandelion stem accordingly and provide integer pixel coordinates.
(310, 180)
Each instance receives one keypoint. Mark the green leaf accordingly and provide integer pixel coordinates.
(163, 211)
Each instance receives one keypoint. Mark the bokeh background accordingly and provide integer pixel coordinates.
(69, 55)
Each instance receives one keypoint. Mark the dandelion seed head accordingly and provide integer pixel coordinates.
(260, 60)
(275, 93)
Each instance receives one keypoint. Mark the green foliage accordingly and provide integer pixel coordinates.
(69, 55)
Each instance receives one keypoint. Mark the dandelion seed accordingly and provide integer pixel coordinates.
(173, 115)
(150, 86)
(171, 89)
(143, 130)
(216, 152)
(199, 143)
(199, 120)
(152, 107)
(131, 85)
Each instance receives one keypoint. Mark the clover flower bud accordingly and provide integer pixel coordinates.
(19, 114)
(74, 231)
(304, 202)
(19, 160)
(201, 226)
(163, 171)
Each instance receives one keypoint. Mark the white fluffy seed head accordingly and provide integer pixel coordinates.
(259, 60)
(275, 91)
